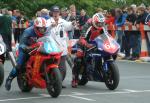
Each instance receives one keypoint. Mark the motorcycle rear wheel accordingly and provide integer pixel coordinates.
(23, 83)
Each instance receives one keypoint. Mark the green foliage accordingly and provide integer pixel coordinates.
(29, 7)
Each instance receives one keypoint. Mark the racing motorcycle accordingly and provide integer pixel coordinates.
(97, 63)
(2, 59)
(41, 69)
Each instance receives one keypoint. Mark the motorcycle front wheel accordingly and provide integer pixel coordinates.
(54, 82)
(112, 76)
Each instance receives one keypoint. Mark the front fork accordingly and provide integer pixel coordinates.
(105, 63)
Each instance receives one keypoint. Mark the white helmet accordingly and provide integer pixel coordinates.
(98, 20)
(40, 26)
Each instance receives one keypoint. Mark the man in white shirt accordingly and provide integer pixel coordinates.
(58, 30)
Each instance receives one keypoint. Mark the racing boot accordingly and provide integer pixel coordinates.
(74, 83)
(11, 76)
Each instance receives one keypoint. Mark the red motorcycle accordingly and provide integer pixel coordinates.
(41, 69)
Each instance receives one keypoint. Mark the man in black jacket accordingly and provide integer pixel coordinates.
(6, 30)
(142, 14)
(130, 35)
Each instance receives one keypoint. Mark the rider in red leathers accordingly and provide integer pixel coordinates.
(90, 31)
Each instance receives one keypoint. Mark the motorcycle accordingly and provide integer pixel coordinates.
(97, 63)
(2, 59)
(41, 69)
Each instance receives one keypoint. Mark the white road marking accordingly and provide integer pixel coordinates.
(82, 98)
(127, 61)
(76, 94)
(129, 90)
(135, 77)
(47, 95)
(16, 99)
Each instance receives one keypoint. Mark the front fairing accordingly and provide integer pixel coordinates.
(48, 46)
(106, 43)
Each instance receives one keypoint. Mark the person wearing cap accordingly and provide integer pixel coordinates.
(58, 30)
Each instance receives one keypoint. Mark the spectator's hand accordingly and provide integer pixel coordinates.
(74, 23)
(54, 24)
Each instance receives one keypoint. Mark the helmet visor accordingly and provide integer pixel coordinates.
(99, 24)
(42, 30)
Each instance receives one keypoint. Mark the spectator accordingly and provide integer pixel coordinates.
(20, 20)
(99, 10)
(110, 18)
(10, 13)
(73, 15)
(38, 14)
(148, 9)
(123, 46)
(134, 8)
(142, 14)
(119, 22)
(64, 13)
(130, 35)
(83, 17)
(31, 22)
(45, 14)
(140, 19)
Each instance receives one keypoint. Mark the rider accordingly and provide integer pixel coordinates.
(29, 36)
(90, 31)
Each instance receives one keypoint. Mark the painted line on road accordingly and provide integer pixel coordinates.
(16, 99)
(125, 91)
(128, 61)
(135, 77)
(82, 98)
(131, 90)
(75, 95)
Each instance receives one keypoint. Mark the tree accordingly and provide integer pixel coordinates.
(31, 6)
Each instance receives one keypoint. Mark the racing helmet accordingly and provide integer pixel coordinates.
(98, 20)
(40, 26)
